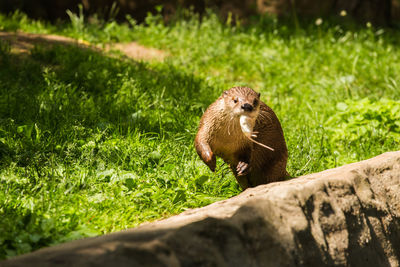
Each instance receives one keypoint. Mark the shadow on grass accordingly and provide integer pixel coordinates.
(61, 93)
(64, 95)
(66, 84)
(24, 231)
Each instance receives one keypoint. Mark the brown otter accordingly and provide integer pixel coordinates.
(227, 129)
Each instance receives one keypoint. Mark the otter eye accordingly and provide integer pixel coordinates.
(235, 100)
(255, 102)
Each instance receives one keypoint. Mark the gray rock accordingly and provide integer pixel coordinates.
(348, 216)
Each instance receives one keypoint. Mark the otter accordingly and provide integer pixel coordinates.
(246, 134)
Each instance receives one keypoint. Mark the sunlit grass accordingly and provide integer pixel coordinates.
(91, 144)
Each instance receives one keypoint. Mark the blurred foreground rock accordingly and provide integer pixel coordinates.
(348, 216)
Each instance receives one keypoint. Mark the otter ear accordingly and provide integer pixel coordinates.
(225, 93)
(259, 94)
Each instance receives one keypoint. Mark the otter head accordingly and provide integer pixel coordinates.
(242, 101)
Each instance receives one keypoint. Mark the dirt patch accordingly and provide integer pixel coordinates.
(136, 51)
(22, 43)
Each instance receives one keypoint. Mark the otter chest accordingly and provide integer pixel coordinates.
(228, 142)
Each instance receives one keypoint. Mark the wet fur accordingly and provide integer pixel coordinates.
(220, 135)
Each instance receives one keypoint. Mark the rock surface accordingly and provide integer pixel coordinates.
(348, 216)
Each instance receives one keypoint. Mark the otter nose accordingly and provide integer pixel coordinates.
(247, 107)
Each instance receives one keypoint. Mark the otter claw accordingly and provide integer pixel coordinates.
(242, 168)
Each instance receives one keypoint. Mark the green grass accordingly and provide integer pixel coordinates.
(92, 143)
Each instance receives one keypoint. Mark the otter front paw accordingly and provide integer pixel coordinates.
(211, 162)
(242, 168)
(205, 153)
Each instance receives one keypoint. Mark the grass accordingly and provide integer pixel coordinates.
(92, 143)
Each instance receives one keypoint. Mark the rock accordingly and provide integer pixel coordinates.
(348, 216)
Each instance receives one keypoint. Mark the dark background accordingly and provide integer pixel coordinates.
(378, 12)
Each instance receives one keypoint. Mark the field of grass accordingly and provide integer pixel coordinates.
(92, 143)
